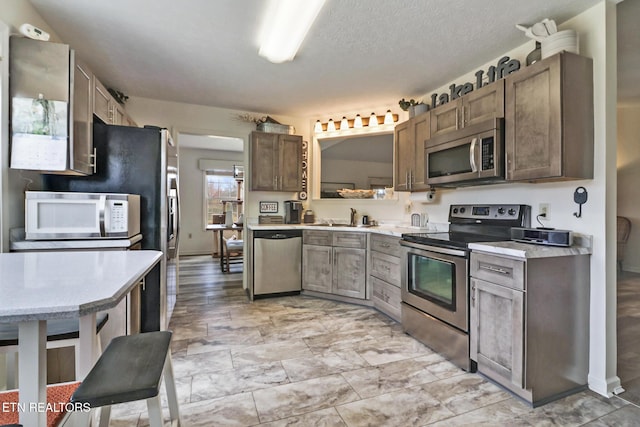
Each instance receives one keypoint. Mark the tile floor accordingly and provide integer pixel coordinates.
(300, 361)
(629, 335)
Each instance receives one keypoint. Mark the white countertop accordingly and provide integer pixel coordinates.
(582, 246)
(48, 285)
(392, 230)
(18, 243)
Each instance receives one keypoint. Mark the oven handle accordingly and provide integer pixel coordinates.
(435, 249)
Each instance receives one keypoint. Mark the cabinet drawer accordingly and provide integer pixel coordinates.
(386, 298)
(385, 267)
(503, 271)
(350, 240)
(316, 237)
(386, 244)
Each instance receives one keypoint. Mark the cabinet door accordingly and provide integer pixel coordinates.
(421, 132)
(290, 163)
(386, 298)
(264, 161)
(81, 157)
(317, 268)
(497, 332)
(483, 104)
(445, 118)
(403, 148)
(533, 131)
(349, 272)
(118, 114)
(101, 102)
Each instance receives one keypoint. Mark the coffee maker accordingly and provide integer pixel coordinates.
(292, 212)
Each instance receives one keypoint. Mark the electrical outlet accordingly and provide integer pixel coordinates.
(543, 209)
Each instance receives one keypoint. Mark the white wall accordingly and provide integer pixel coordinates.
(194, 239)
(628, 178)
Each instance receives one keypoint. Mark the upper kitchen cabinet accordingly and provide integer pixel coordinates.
(475, 107)
(276, 162)
(409, 145)
(549, 120)
(107, 109)
(50, 101)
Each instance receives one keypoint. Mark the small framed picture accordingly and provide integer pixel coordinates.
(268, 207)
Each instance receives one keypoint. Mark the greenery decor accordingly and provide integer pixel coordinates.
(404, 104)
(120, 97)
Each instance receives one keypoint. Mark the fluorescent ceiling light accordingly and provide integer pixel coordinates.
(285, 25)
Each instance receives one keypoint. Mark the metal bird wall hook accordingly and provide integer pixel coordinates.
(580, 197)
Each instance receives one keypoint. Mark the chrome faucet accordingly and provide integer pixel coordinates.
(352, 223)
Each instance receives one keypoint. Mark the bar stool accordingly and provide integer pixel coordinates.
(130, 369)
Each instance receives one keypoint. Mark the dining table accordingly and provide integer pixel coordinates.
(38, 286)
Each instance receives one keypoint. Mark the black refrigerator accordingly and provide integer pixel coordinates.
(140, 161)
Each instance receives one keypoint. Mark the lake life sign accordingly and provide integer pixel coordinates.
(503, 68)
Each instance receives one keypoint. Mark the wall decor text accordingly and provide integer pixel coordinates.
(503, 68)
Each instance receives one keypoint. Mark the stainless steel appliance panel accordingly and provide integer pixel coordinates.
(277, 264)
(435, 281)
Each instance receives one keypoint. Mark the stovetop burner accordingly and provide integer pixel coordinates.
(451, 239)
(475, 224)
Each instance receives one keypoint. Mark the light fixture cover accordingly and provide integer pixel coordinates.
(344, 123)
(318, 127)
(373, 120)
(388, 118)
(284, 27)
(357, 123)
(331, 126)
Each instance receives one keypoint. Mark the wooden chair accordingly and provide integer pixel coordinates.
(232, 252)
(623, 231)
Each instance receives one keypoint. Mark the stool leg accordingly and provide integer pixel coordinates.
(155, 411)
(105, 415)
(170, 385)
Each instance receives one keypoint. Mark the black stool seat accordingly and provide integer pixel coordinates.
(129, 369)
(57, 329)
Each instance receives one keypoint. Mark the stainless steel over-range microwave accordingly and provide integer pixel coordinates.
(68, 215)
(468, 156)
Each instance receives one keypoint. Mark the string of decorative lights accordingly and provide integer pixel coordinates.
(358, 122)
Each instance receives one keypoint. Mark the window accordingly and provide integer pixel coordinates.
(220, 188)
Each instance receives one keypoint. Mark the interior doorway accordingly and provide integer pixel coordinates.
(210, 165)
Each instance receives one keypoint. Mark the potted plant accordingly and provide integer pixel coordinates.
(413, 107)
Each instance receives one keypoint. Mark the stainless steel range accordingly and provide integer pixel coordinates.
(435, 275)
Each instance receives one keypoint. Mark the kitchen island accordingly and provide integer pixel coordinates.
(37, 286)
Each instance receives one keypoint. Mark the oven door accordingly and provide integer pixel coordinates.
(435, 281)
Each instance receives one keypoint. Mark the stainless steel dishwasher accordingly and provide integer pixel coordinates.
(277, 262)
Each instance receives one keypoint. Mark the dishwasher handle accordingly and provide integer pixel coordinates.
(277, 234)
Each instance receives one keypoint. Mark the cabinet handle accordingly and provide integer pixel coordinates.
(464, 116)
(281, 180)
(93, 161)
(275, 181)
(406, 179)
(410, 179)
(385, 245)
(473, 295)
(494, 269)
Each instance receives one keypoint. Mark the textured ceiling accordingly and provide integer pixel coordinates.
(358, 53)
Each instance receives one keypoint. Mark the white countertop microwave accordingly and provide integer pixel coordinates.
(68, 215)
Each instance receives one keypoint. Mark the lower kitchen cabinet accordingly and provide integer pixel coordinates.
(529, 325)
(384, 274)
(334, 262)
